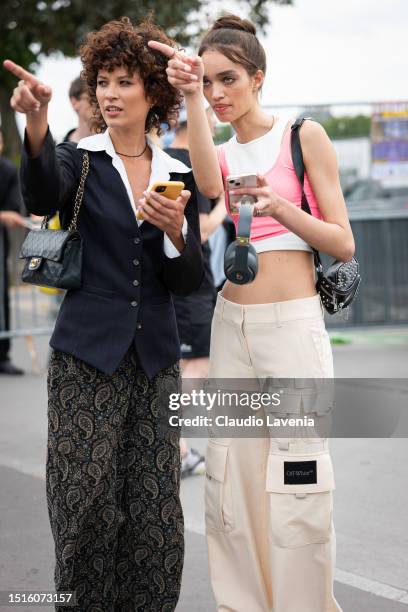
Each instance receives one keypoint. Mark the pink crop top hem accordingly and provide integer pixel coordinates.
(283, 180)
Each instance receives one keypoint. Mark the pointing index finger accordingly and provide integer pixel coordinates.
(19, 72)
(168, 51)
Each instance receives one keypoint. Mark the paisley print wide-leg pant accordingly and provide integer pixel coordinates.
(113, 475)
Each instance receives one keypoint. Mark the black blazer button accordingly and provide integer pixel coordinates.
(135, 262)
(134, 303)
(136, 240)
(135, 283)
(138, 326)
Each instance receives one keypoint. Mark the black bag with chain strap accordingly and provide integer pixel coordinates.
(337, 286)
(54, 257)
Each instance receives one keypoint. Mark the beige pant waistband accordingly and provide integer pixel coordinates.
(275, 312)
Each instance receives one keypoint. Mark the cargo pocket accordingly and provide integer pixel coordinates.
(218, 494)
(300, 496)
(322, 346)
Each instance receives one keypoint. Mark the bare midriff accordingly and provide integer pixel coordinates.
(282, 275)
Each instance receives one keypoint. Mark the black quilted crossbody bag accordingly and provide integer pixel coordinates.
(338, 285)
(54, 257)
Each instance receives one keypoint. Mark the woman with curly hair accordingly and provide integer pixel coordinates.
(113, 463)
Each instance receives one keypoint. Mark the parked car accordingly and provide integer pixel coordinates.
(371, 194)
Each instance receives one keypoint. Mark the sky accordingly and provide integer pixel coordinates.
(319, 51)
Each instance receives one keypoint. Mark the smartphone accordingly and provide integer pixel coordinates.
(168, 189)
(32, 225)
(235, 181)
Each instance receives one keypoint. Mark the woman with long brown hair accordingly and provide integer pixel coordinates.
(269, 521)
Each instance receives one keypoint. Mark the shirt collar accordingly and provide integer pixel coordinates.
(162, 163)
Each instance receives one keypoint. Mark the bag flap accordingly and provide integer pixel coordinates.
(343, 273)
(45, 243)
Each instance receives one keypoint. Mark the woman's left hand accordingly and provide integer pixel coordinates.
(166, 214)
(268, 200)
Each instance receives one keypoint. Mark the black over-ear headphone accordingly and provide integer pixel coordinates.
(240, 259)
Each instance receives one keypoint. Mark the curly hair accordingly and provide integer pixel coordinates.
(120, 43)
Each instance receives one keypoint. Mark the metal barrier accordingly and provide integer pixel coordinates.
(32, 310)
(381, 239)
(32, 313)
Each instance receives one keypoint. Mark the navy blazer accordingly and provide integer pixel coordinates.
(127, 277)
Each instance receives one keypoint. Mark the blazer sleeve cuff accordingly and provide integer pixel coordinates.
(169, 249)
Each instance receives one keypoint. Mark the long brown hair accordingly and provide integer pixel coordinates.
(236, 39)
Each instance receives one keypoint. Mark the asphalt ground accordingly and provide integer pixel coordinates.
(370, 500)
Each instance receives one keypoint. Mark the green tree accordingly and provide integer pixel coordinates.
(222, 133)
(348, 127)
(30, 29)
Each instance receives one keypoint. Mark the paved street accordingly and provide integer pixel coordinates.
(370, 500)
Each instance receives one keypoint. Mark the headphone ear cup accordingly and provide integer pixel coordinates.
(234, 266)
(253, 259)
(252, 262)
(234, 269)
(229, 260)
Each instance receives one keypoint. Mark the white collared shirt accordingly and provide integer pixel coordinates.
(161, 166)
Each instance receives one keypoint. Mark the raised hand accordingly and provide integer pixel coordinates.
(12, 219)
(30, 95)
(184, 72)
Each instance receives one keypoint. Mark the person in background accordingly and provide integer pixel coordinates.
(194, 312)
(219, 242)
(10, 218)
(79, 99)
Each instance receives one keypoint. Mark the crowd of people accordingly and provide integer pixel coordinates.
(148, 314)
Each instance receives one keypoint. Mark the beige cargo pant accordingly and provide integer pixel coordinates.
(271, 544)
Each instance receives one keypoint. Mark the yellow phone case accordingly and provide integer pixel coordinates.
(168, 189)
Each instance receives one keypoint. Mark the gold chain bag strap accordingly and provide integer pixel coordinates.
(53, 258)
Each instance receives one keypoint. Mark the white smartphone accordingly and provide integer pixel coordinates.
(31, 224)
(235, 181)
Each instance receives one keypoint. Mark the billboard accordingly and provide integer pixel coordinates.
(389, 142)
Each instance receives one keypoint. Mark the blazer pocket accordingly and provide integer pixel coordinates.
(218, 494)
(97, 291)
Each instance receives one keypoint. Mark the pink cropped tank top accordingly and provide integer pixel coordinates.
(281, 177)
